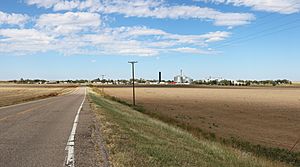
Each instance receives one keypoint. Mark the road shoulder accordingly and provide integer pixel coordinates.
(89, 150)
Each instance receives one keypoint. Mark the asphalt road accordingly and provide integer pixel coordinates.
(35, 134)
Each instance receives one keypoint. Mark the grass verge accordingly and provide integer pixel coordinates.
(135, 139)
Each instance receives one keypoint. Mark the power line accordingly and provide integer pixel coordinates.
(259, 25)
(259, 35)
(260, 19)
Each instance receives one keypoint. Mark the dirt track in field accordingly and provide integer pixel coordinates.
(268, 116)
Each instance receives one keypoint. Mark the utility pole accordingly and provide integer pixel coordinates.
(102, 83)
(133, 88)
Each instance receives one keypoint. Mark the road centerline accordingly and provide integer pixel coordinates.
(26, 111)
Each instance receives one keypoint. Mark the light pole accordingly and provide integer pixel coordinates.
(102, 83)
(133, 88)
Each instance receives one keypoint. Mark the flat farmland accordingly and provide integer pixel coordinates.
(14, 94)
(266, 116)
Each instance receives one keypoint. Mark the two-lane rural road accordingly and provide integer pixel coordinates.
(36, 133)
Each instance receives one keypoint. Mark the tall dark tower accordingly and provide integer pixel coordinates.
(159, 77)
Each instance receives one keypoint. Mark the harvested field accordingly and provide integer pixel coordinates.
(13, 94)
(266, 116)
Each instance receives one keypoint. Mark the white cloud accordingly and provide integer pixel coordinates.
(24, 35)
(60, 5)
(278, 6)
(191, 50)
(140, 31)
(22, 41)
(13, 19)
(156, 9)
(113, 41)
(144, 31)
(70, 22)
(83, 33)
(131, 41)
(199, 40)
(107, 41)
(43, 3)
(90, 5)
(216, 36)
(149, 8)
(66, 5)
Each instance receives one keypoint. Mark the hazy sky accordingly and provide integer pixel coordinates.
(72, 39)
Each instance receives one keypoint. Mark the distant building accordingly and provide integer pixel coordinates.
(182, 79)
(52, 82)
(210, 78)
(159, 77)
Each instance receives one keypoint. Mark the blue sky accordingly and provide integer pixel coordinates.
(83, 39)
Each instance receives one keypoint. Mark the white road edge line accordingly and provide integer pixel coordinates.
(70, 158)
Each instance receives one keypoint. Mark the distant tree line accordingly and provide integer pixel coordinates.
(242, 82)
(266, 82)
(105, 81)
(214, 82)
(28, 81)
(41, 81)
(144, 81)
(125, 82)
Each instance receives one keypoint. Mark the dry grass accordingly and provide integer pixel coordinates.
(135, 139)
(296, 83)
(13, 94)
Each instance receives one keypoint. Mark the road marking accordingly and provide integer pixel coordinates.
(26, 111)
(70, 158)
